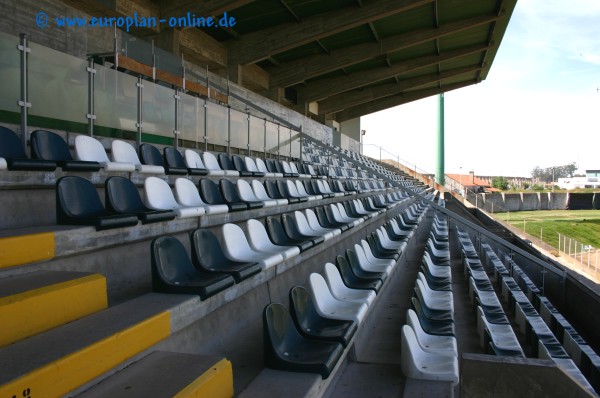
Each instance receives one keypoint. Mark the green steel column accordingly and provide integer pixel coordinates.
(439, 170)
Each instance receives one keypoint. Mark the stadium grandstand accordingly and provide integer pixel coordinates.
(186, 211)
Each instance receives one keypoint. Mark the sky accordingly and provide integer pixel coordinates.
(539, 106)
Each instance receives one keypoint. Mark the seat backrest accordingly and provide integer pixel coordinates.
(193, 159)
(229, 191)
(187, 194)
(273, 190)
(239, 164)
(89, 149)
(271, 166)
(173, 158)
(278, 329)
(150, 155)
(210, 161)
(209, 191)
(260, 164)
(49, 146)
(302, 308)
(122, 196)
(250, 164)
(259, 190)
(170, 260)
(245, 191)
(225, 162)
(78, 197)
(159, 194)
(124, 152)
(10, 144)
(206, 249)
(275, 231)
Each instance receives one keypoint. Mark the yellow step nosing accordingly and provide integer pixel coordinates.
(216, 382)
(75, 369)
(24, 249)
(41, 309)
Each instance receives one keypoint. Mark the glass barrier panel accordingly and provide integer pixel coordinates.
(10, 75)
(284, 141)
(191, 118)
(158, 109)
(115, 99)
(217, 124)
(58, 84)
(272, 138)
(136, 48)
(295, 144)
(239, 129)
(167, 62)
(257, 134)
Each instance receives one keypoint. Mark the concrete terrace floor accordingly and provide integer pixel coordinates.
(375, 369)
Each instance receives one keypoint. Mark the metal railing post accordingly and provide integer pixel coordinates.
(23, 103)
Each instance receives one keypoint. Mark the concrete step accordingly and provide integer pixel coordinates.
(26, 248)
(38, 301)
(64, 358)
(168, 374)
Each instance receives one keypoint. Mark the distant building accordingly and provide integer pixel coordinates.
(591, 180)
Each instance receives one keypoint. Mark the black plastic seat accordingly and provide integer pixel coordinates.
(207, 255)
(279, 237)
(440, 328)
(122, 197)
(50, 146)
(380, 251)
(210, 193)
(174, 161)
(312, 325)
(78, 203)
(286, 349)
(329, 214)
(328, 222)
(149, 154)
(231, 195)
(392, 235)
(358, 271)
(353, 281)
(351, 210)
(11, 149)
(226, 164)
(433, 314)
(240, 165)
(173, 271)
(290, 226)
(273, 191)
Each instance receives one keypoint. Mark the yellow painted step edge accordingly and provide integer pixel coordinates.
(37, 310)
(67, 373)
(25, 249)
(217, 382)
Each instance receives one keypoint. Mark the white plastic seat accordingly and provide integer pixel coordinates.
(236, 247)
(250, 164)
(258, 239)
(302, 191)
(158, 196)
(261, 194)
(187, 194)
(442, 345)
(305, 228)
(123, 152)
(313, 221)
(295, 170)
(368, 266)
(337, 217)
(342, 212)
(441, 301)
(328, 189)
(293, 190)
(329, 307)
(341, 291)
(387, 243)
(372, 259)
(247, 194)
(260, 164)
(91, 150)
(502, 335)
(419, 364)
(212, 164)
(436, 270)
(3, 164)
(194, 161)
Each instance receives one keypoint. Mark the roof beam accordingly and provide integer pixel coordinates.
(256, 46)
(349, 99)
(295, 72)
(390, 102)
(204, 8)
(321, 89)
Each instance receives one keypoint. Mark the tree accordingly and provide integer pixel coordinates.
(500, 183)
(546, 175)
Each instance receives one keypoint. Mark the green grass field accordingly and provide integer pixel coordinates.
(581, 225)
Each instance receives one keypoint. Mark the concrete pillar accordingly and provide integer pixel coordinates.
(439, 171)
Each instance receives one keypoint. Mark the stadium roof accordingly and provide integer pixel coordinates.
(351, 57)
